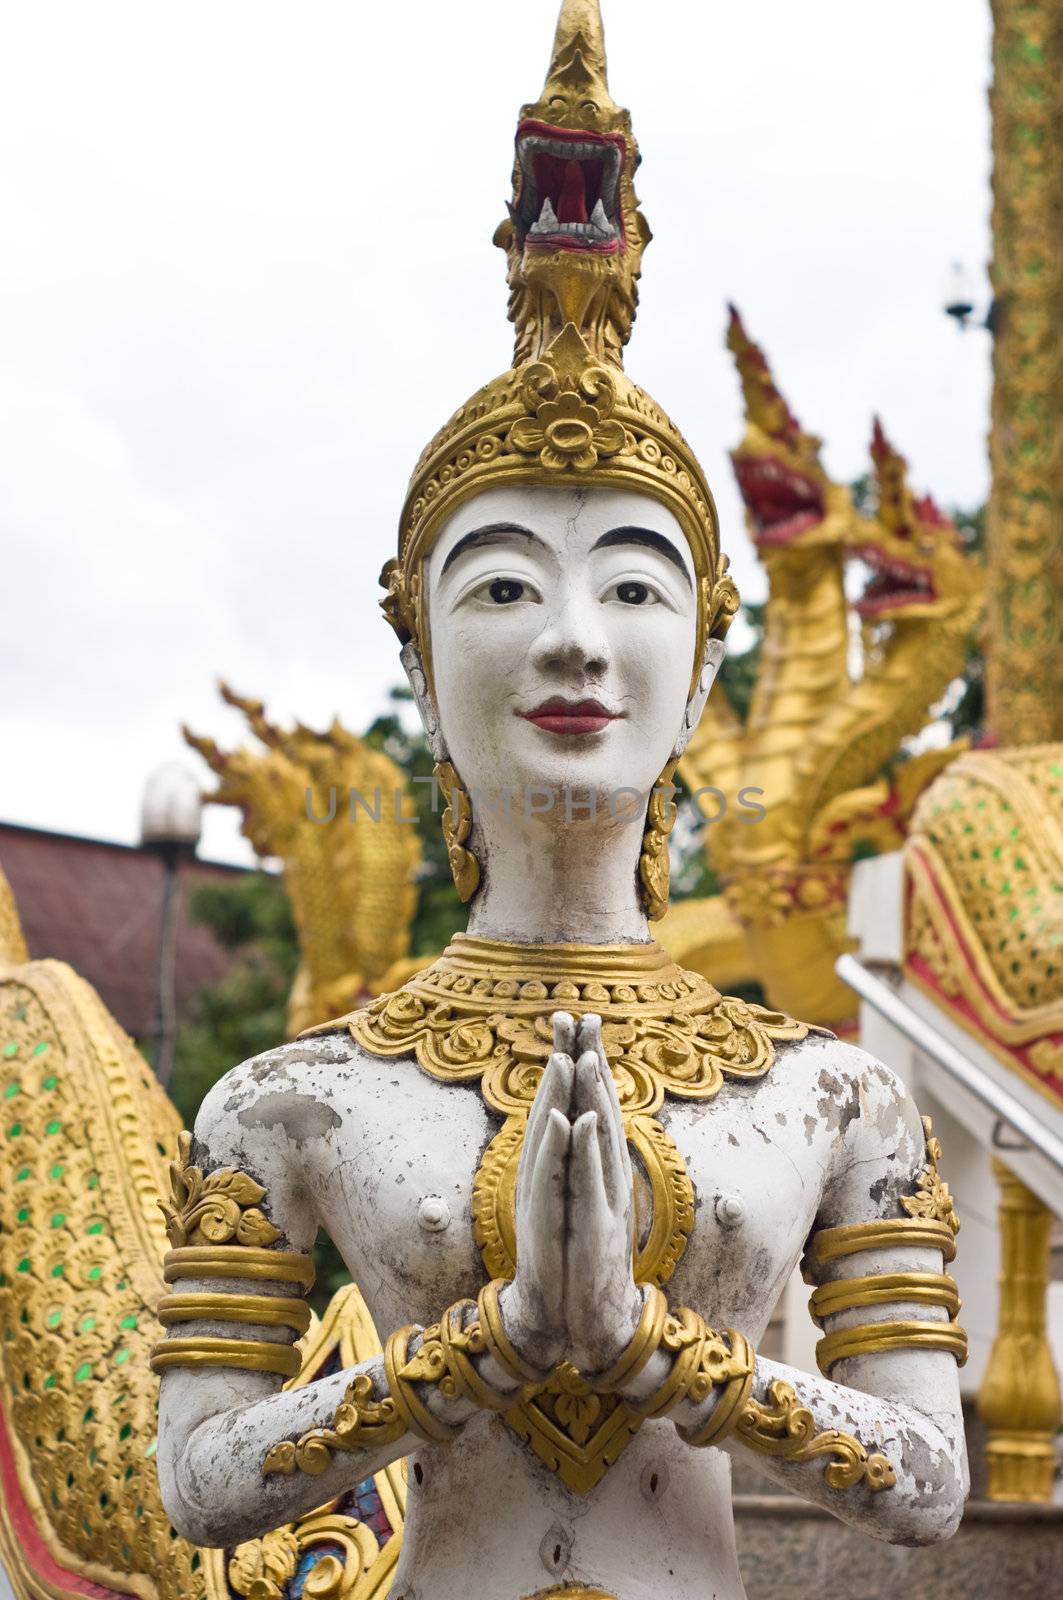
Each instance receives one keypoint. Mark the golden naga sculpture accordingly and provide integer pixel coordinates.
(85, 1135)
(337, 814)
(816, 740)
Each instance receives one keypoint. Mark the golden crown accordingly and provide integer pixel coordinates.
(566, 412)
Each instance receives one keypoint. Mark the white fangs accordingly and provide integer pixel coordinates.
(547, 222)
(599, 227)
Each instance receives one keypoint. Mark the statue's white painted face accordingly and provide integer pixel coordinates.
(563, 627)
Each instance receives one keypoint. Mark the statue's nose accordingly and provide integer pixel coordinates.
(571, 642)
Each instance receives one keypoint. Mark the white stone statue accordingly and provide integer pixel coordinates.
(569, 1179)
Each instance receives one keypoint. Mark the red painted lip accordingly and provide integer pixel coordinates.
(557, 715)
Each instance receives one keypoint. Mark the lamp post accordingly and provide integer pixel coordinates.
(170, 817)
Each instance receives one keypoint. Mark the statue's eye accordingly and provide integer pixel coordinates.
(633, 593)
(504, 591)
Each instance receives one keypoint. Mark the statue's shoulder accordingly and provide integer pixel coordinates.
(876, 1138)
(282, 1096)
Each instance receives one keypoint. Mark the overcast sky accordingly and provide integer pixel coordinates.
(247, 271)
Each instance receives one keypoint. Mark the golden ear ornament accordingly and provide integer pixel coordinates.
(653, 858)
(457, 827)
(481, 1014)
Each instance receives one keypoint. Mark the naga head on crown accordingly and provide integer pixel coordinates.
(575, 235)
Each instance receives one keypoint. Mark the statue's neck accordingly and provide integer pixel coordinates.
(545, 880)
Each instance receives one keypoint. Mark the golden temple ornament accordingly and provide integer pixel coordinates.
(481, 1014)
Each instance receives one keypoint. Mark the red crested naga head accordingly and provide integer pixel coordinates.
(790, 502)
(920, 567)
(575, 236)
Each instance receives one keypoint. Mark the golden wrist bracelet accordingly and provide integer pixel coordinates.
(362, 1421)
(735, 1392)
(875, 1338)
(402, 1373)
(497, 1342)
(643, 1344)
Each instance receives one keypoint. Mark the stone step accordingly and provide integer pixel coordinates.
(788, 1548)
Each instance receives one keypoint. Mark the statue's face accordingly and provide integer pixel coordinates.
(562, 630)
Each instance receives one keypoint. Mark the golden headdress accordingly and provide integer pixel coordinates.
(565, 412)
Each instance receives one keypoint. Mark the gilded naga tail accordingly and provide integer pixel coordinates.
(85, 1137)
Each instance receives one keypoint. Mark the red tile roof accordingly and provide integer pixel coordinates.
(97, 906)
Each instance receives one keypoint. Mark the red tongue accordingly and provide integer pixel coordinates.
(572, 201)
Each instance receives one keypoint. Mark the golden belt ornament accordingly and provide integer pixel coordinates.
(481, 1014)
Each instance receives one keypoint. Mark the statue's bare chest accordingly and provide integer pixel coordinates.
(394, 1187)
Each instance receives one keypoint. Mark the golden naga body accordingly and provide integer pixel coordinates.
(816, 740)
(350, 880)
(85, 1137)
(984, 905)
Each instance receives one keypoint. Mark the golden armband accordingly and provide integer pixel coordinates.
(219, 1231)
(930, 1223)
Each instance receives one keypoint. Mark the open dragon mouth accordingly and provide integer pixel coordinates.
(781, 502)
(569, 189)
(894, 586)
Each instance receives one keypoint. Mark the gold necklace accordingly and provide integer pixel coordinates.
(482, 1011)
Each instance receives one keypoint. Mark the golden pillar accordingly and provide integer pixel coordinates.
(1019, 1400)
(1024, 529)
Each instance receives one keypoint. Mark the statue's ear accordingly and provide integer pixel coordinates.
(710, 666)
(417, 678)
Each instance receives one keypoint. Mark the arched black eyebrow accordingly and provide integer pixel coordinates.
(647, 537)
(490, 533)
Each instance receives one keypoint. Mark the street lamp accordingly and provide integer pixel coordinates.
(958, 299)
(170, 816)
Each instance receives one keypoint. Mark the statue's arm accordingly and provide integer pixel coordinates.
(237, 1453)
(880, 1441)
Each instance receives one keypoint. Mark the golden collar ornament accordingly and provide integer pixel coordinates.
(480, 1015)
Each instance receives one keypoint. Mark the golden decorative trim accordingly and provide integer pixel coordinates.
(242, 1261)
(360, 1422)
(871, 1338)
(884, 1234)
(482, 1011)
(668, 1206)
(268, 1311)
(220, 1208)
(932, 1200)
(251, 1355)
(914, 1288)
(787, 1430)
